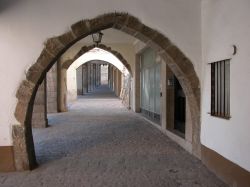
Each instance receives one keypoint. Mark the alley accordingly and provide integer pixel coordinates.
(101, 143)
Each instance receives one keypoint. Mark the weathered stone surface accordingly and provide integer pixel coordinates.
(21, 111)
(80, 28)
(141, 37)
(175, 54)
(66, 38)
(98, 24)
(34, 73)
(25, 91)
(153, 45)
(53, 46)
(44, 59)
(134, 24)
(120, 20)
(128, 31)
(19, 142)
(67, 63)
(146, 34)
(193, 80)
(162, 41)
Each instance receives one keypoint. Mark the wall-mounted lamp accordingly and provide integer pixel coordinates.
(97, 37)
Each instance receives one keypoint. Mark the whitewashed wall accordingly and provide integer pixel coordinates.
(226, 23)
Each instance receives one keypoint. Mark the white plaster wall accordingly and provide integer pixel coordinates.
(224, 23)
(25, 25)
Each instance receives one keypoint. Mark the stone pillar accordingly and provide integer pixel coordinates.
(110, 76)
(94, 75)
(84, 79)
(89, 77)
(115, 82)
(99, 75)
(62, 88)
(39, 115)
(52, 89)
(119, 82)
(137, 84)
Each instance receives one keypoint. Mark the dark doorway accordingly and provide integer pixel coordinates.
(180, 107)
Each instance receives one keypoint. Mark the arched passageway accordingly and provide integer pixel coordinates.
(85, 54)
(55, 47)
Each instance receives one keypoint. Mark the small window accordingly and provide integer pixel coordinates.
(220, 89)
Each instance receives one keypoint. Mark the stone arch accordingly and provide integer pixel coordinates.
(62, 107)
(180, 65)
(85, 49)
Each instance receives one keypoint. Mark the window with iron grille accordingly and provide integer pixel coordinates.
(220, 89)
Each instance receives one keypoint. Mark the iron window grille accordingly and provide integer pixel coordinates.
(220, 89)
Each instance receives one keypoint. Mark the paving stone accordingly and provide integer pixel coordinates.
(101, 143)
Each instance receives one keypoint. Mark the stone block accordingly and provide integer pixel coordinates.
(19, 142)
(99, 24)
(35, 72)
(66, 38)
(53, 46)
(21, 111)
(81, 28)
(120, 20)
(44, 59)
(134, 24)
(25, 91)
(162, 41)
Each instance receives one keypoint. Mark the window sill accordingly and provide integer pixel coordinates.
(221, 117)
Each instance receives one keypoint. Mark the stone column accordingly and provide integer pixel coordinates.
(94, 75)
(119, 82)
(84, 79)
(89, 77)
(52, 89)
(109, 76)
(112, 77)
(39, 116)
(97, 74)
(115, 82)
(62, 88)
(137, 84)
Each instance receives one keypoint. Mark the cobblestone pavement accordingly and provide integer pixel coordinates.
(100, 143)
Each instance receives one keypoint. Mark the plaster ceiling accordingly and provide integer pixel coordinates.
(111, 36)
